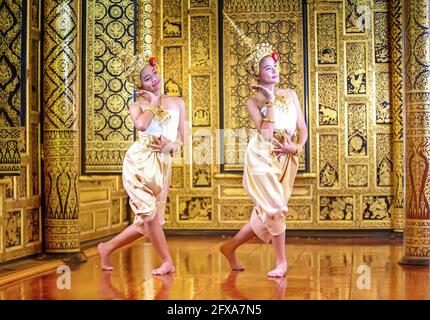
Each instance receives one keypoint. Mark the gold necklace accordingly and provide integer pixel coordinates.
(282, 102)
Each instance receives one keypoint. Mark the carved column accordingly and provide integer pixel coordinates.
(61, 54)
(397, 103)
(417, 87)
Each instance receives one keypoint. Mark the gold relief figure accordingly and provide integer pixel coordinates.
(160, 123)
(328, 176)
(271, 157)
(172, 27)
(201, 56)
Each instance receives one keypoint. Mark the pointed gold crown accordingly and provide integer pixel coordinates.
(132, 65)
(254, 52)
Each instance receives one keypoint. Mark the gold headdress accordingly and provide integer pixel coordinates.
(132, 64)
(254, 51)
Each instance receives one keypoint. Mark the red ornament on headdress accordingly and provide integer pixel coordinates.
(152, 61)
(275, 56)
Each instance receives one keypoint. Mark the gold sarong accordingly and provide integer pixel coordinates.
(146, 178)
(269, 181)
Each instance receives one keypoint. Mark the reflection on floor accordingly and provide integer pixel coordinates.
(318, 269)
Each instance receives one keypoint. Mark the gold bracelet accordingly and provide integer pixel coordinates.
(268, 120)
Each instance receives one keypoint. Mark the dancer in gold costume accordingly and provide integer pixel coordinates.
(160, 122)
(272, 158)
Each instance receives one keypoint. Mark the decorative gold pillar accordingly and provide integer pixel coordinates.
(417, 84)
(60, 125)
(397, 102)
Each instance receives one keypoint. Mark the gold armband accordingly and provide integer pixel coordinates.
(268, 104)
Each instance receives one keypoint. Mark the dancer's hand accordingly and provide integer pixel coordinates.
(264, 91)
(284, 148)
(163, 145)
(147, 96)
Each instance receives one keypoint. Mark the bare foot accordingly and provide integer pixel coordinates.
(231, 257)
(166, 267)
(279, 272)
(105, 257)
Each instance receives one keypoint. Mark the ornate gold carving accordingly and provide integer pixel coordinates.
(231, 213)
(357, 130)
(195, 209)
(201, 101)
(336, 208)
(417, 66)
(328, 104)
(327, 37)
(108, 127)
(200, 41)
(397, 99)
(10, 84)
(356, 13)
(199, 3)
(61, 136)
(172, 18)
(172, 64)
(357, 176)
(377, 207)
(384, 162)
(299, 213)
(329, 161)
(383, 105)
(13, 232)
(380, 20)
(356, 67)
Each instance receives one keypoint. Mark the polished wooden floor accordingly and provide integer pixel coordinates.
(318, 269)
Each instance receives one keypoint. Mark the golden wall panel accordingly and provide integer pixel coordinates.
(10, 84)
(336, 208)
(172, 18)
(328, 101)
(357, 130)
(356, 67)
(358, 176)
(380, 22)
(329, 161)
(172, 67)
(327, 38)
(200, 41)
(384, 160)
(383, 106)
(20, 196)
(108, 127)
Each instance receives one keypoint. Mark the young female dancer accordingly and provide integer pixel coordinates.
(271, 159)
(147, 164)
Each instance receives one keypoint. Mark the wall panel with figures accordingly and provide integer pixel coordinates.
(346, 175)
(348, 183)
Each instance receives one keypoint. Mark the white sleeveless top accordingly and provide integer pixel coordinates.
(285, 118)
(168, 130)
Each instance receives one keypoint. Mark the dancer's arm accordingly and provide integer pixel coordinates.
(140, 112)
(264, 127)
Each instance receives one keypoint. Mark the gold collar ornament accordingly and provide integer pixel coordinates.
(161, 115)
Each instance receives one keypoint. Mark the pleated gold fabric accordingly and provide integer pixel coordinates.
(269, 181)
(146, 178)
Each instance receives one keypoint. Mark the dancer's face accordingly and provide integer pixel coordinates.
(268, 71)
(150, 79)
